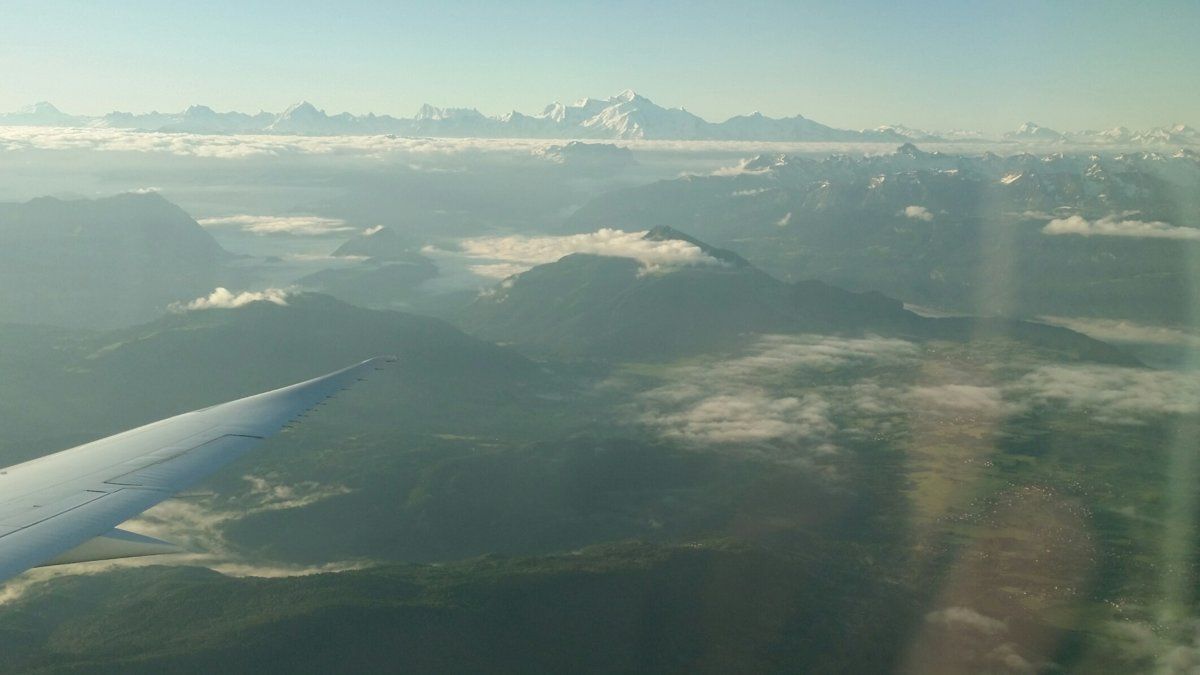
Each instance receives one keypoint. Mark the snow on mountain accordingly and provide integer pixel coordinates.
(626, 116)
(40, 114)
(905, 132)
(574, 114)
(201, 119)
(1179, 134)
(758, 127)
(1032, 132)
(631, 116)
(305, 119)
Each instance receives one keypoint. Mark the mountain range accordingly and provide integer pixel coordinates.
(626, 116)
(969, 233)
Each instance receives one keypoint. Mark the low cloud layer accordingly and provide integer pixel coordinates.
(247, 146)
(308, 226)
(223, 298)
(1113, 226)
(500, 257)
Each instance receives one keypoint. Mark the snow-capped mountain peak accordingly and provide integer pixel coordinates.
(303, 108)
(44, 108)
(1031, 131)
(626, 96)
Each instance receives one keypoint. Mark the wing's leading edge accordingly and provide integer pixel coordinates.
(66, 506)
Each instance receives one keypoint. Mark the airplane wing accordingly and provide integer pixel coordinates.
(65, 507)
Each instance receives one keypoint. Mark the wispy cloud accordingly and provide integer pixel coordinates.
(310, 226)
(1114, 226)
(223, 298)
(197, 523)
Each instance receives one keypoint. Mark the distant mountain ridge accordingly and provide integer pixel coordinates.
(920, 225)
(626, 116)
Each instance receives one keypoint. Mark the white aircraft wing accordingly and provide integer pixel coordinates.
(64, 507)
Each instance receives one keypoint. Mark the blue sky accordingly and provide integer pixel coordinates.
(939, 64)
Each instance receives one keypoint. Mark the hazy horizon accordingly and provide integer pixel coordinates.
(986, 66)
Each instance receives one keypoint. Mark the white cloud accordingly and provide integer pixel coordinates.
(517, 253)
(1173, 645)
(749, 416)
(1119, 330)
(785, 220)
(1035, 215)
(498, 271)
(275, 496)
(1113, 226)
(959, 399)
(309, 226)
(749, 192)
(328, 259)
(915, 212)
(1112, 394)
(751, 166)
(774, 354)
(745, 401)
(967, 617)
(223, 298)
(251, 146)
(371, 230)
(197, 524)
